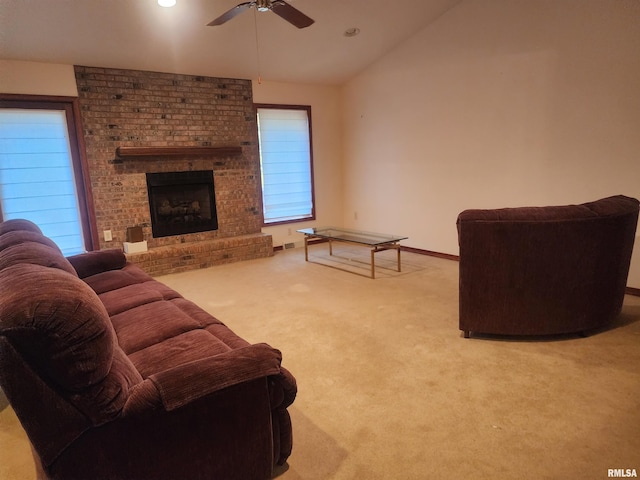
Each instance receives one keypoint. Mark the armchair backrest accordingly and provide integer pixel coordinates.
(545, 270)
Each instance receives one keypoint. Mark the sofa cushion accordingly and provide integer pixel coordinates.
(36, 254)
(184, 348)
(18, 224)
(151, 323)
(15, 237)
(131, 296)
(115, 279)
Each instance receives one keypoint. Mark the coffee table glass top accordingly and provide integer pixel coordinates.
(349, 235)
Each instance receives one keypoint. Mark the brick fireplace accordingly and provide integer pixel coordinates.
(138, 123)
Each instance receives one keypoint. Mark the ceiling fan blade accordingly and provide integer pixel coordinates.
(225, 17)
(291, 14)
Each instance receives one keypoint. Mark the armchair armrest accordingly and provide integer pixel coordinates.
(190, 381)
(92, 263)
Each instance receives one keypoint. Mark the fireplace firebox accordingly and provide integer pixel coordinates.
(182, 202)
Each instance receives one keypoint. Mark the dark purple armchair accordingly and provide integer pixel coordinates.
(545, 270)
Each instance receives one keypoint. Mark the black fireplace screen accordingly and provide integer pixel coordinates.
(181, 202)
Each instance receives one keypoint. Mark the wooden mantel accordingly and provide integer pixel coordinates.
(134, 152)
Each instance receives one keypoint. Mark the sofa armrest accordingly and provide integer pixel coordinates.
(92, 263)
(190, 381)
(287, 386)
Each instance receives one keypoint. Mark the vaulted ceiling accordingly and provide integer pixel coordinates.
(139, 34)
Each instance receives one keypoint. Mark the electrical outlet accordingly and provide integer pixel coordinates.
(107, 236)
(355, 215)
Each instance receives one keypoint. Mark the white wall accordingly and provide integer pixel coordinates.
(327, 150)
(498, 103)
(34, 78)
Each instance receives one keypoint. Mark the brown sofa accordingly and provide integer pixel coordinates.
(545, 270)
(113, 375)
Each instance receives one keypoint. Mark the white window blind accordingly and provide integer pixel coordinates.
(285, 160)
(36, 174)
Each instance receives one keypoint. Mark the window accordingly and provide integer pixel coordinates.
(286, 162)
(40, 170)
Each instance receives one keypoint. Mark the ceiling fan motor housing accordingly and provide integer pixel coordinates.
(263, 5)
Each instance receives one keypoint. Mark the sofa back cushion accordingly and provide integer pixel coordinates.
(21, 241)
(18, 224)
(35, 253)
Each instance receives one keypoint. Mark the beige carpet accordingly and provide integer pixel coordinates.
(388, 388)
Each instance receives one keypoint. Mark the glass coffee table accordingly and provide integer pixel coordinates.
(378, 242)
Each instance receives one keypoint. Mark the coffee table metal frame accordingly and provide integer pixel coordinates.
(378, 242)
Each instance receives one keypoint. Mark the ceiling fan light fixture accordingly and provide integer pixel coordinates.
(166, 3)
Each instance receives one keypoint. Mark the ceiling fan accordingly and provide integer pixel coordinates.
(279, 7)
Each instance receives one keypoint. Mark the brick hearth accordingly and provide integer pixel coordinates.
(129, 108)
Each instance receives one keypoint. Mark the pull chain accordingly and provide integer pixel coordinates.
(255, 23)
